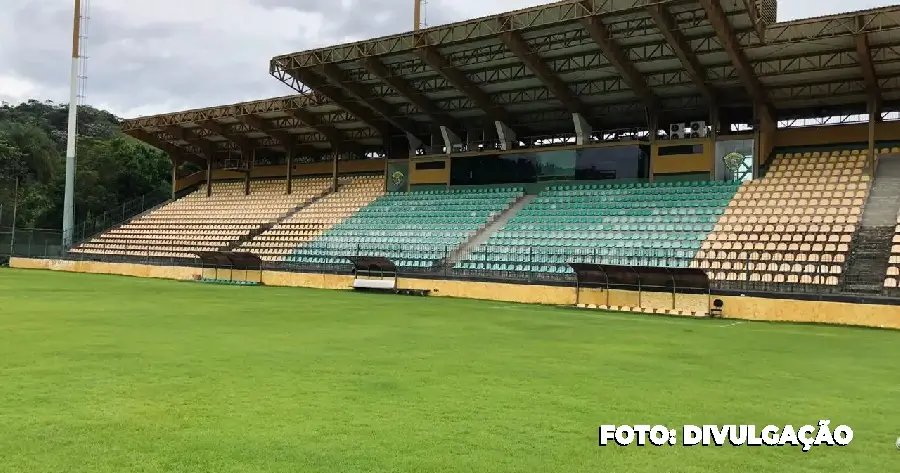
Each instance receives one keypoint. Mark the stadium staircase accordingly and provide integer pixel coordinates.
(237, 244)
(482, 235)
(871, 251)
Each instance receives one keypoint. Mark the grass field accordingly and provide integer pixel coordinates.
(112, 374)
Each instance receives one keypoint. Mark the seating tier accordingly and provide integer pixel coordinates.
(200, 223)
(311, 221)
(795, 225)
(632, 224)
(416, 229)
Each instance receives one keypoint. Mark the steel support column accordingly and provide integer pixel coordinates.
(874, 116)
(174, 160)
(334, 170)
(864, 58)
(250, 156)
(289, 172)
(653, 134)
(209, 176)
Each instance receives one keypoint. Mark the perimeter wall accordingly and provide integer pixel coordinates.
(750, 308)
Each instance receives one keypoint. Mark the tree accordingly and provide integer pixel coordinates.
(112, 169)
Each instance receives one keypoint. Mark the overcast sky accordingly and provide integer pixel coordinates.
(157, 56)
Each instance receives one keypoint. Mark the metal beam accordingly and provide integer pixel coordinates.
(864, 58)
(665, 23)
(517, 44)
(206, 146)
(341, 98)
(173, 151)
(601, 35)
(462, 83)
(332, 134)
(362, 92)
(408, 92)
(725, 32)
(225, 132)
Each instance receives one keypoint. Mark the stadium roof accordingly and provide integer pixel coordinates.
(612, 61)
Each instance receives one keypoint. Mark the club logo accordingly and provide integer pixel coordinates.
(398, 178)
(733, 161)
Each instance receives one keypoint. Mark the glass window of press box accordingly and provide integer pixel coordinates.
(590, 164)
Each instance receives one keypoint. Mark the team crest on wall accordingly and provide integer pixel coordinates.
(398, 178)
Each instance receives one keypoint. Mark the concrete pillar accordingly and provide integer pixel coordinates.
(414, 144)
(506, 136)
(583, 129)
(452, 141)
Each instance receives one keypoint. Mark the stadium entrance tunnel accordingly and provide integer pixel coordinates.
(378, 274)
(654, 289)
(227, 267)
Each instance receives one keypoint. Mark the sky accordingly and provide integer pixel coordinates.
(156, 56)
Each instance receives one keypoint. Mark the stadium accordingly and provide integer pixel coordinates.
(603, 204)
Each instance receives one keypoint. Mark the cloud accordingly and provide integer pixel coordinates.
(157, 56)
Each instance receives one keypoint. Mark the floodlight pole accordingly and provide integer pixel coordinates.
(12, 235)
(69, 199)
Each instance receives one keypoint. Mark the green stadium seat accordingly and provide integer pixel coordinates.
(635, 224)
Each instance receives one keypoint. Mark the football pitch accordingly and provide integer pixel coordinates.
(112, 374)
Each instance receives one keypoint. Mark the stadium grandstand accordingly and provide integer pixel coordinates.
(676, 134)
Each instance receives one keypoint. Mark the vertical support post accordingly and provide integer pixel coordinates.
(248, 155)
(209, 174)
(289, 171)
(652, 134)
(713, 138)
(766, 142)
(174, 175)
(334, 169)
(874, 117)
(583, 130)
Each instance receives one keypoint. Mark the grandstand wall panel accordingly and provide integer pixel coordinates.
(426, 171)
(701, 160)
(835, 134)
(736, 307)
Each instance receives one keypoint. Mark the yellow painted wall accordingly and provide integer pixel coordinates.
(682, 163)
(304, 169)
(429, 176)
(836, 134)
(750, 308)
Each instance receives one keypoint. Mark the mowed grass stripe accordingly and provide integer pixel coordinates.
(115, 374)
